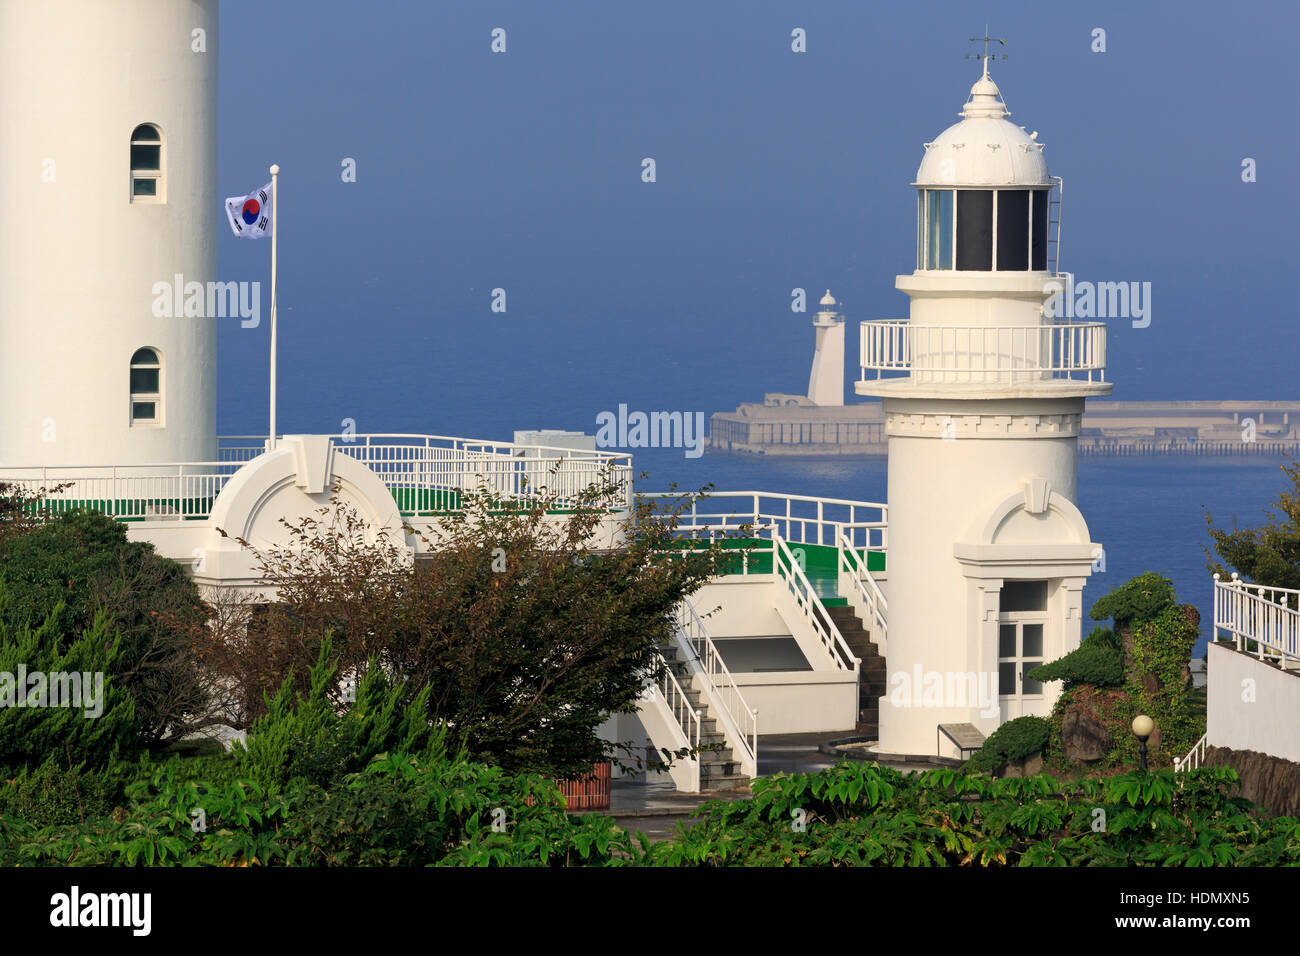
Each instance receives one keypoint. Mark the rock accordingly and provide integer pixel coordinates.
(1153, 742)
(1028, 767)
(1270, 782)
(1083, 737)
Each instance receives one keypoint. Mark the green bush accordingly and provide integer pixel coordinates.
(1097, 661)
(1015, 740)
(54, 794)
(31, 735)
(1142, 598)
(866, 815)
(1160, 682)
(306, 738)
(403, 810)
(80, 565)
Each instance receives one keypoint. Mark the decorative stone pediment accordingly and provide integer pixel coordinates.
(1034, 531)
(276, 490)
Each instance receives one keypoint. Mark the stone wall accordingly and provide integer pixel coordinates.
(1271, 782)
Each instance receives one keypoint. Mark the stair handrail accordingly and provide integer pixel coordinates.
(679, 705)
(1194, 756)
(786, 568)
(874, 598)
(725, 690)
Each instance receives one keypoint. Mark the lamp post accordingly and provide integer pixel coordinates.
(1142, 729)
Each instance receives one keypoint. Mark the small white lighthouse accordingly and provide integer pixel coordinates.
(826, 384)
(108, 186)
(988, 553)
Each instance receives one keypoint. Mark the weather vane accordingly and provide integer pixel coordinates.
(986, 40)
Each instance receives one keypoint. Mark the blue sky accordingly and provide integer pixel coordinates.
(775, 170)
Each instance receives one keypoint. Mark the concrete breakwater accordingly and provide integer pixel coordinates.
(792, 425)
(1130, 447)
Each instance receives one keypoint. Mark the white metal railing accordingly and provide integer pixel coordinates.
(855, 580)
(177, 490)
(422, 471)
(1269, 616)
(669, 692)
(800, 519)
(809, 606)
(985, 354)
(446, 463)
(1194, 756)
(743, 730)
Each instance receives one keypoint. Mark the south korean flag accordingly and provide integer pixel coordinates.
(250, 216)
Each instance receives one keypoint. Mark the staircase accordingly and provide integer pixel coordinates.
(871, 672)
(719, 768)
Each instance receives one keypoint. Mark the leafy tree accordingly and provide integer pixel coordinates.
(22, 510)
(78, 566)
(528, 621)
(1268, 554)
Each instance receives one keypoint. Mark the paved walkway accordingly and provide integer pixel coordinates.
(655, 807)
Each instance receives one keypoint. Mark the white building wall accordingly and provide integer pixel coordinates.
(1251, 706)
(79, 260)
(942, 613)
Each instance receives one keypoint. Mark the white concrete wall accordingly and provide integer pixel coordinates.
(1251, 706)
(802, 702)
(78, 259)
(746, 607)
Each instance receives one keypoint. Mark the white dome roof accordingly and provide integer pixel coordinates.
(828, 299)
(985, 148)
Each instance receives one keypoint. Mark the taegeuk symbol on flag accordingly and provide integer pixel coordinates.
(250, 216)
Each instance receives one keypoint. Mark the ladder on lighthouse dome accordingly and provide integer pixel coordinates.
(1054, 226)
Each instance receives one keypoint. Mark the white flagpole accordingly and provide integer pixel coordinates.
(275, 237)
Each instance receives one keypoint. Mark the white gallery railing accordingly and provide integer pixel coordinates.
(984, 354)
(799, 519)
(743, 719)
(793, 582)
(439, 462)
(182, 490)
(422, 471)
(1268, 616)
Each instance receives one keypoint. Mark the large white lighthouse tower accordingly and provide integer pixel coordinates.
(108, 191)
(988, 553)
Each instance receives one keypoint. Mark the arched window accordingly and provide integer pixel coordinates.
(146, 164)
(146, 387)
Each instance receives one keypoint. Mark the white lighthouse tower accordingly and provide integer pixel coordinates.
(826, 383)
(108, 186)
(983, 396)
